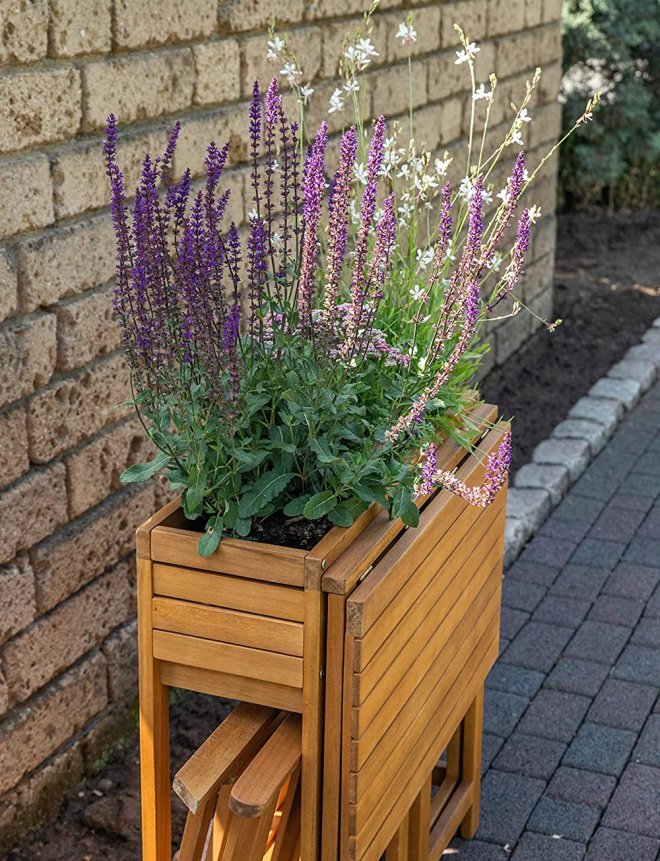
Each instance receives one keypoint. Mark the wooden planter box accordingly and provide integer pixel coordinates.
(380, 636)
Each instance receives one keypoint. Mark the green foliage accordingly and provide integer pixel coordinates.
(612, 46)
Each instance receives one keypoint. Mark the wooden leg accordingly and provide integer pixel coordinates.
(220, 822)
(287, 839)
(154, 734)
(419, 824)
(471, 762)
(398, 848)
(312, 723)
(196, 832)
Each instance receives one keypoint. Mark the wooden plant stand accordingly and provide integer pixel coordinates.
(380, 637)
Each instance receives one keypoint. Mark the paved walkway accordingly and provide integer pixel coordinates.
(572, 717)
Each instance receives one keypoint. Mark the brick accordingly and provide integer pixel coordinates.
(475, 850)
(137, 87)
(221, 125)
(598, 641)
(514, 680)
(80, 27)
(616, 610)
(553, 478)
(617, 524)
(218, 68)
(634, 805)
(511, 621)
(531, 756)
(554, 715)
(622, 704)
(580, 582)
(86, 547)
(65, 261)
(502, 711)
(600, 748)
(533, 572)
(647, 750)
(305, 43)
(93, 471)
(608, 844)
(506, 803)
(647, 633)
(561, 611)
(55, 641)
(649, 352)
(38, 729)
(445, 77)
(642, 484)
(439, 124)
(572, 820)
(577, 429)
(626, 392)
(24, 32)
(581, 786)
(17, 598)
(538, 646)
(602, 554)
(13, 433)
(510, 336)
(27, 356)
(579, 677)
(8, 286)
(426, 22)
(643, 551)
(565, 529)
(639, 664)
(640, 372)
(32, 509)
(257, 14)
(516, 533)
(529, 506)
(521, 594)
(468, 14)
(548, 551)
(157, 21)
(505, 16)
(39, 107)
(86, 328)
(389, 89)
(120, 650)
(648, 462)
(633, 581)
(76, 407)
(546, 126)
(573, 454)
(27, 195)
(552, 10)
(541, 847)
(517, 53)
(533, 13)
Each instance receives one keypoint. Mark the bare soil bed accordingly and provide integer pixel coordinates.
(608, 293)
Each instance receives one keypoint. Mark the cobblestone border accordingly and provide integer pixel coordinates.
(557, 462)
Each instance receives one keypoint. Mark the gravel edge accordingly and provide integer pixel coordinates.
(539, 486)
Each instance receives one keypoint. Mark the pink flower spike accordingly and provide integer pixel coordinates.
(497, 471)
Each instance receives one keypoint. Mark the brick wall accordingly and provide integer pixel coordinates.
(67, 634)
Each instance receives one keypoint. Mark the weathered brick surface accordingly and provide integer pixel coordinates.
(8, 286)
(80, 27)
(257, 14)
(27, 194)
(305, 43)
(17, 598)
(86, 328)
(13, 433)
(75, 407)
(157, 21)
(27, 355)
(23, 32)
(218, 68)
(120, 650)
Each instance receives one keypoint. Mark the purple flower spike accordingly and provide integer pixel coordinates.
(313, 188)
(497, 471)
(426, 484)
(255, 143)
(257, 268)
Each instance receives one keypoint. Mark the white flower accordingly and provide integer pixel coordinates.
(275, 48)
(516, 137)
(449, 254)
(465, 188)
(468, 54)
(351, 86)
(487, 196)
(253, 215)
(524, 116)
(407, 34)
(275, 166)
(360, 173)
(503, 195)
(355, 212)
(405, 211)
(336, 102)
(534, 213)
(495, 261)
(442, 165)
(366, 48)
(305, 93)
(291, 73)
(418, 294)
(526, 176)
(424, 257)
(276, 241)
(481, 93)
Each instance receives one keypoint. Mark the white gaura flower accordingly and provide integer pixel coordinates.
(336, 102)
(481, 93)
(465, 188)
(449, 253)
(487, 196)
(495, 261)
(291, 73)
(526, 176)
(424, 257)
(442, 165)
(407, 34)
(253, 215)
(275, 166)
(355, 212)
(418, 294)
(524, 116)
(276, 241)
(367, 48)
(534, 213)
(305, 93)
(275, 48)
(469, 53)
(360, 173)
(516, 138)
(351, 86)
(405, 211)
(503, 195)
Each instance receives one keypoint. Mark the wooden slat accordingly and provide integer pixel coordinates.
(397, 849)
(471, 762)
(143, 532)
(447, 825)
(227, 658)
(344, 835)
(231, 687)
(395, 798)
(228, 626)
(368, 601)
(420, 824)
(342, 577)
(249, 559)
(236, 593)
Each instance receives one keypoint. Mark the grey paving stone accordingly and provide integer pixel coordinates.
(511, 621)
(595, 485)
(647, 633)
(639, 664)
(645, 353)
(651, 336)
(575, 676)
(630, 501)
(576, 507)
(516, 534)
(554, 479)
(630, 580)
(647, 750)
(561, 611)
(616, 610)
(626, 392)
(642, 484)
(652, 609)
(579, 785)
(520, 594)
(530, 755)
(572, 454)
(548, 551)
(599, 553)
(617, 524)
(529, 506)
(541, 847)
(554, 715)
(600, 748)
(651, 525)
(572, 820)
(641, 371)
(648, 462)
(610, 845)
(515, 680)
(474, 850)
(490, 745)
(507, 801)
(571, 530)
(606, 412)
(634, 805)
(643, 551)
(622, 704)
(598, 641)
(533, 572)
(502, 711)
(581, 582)
(594, 433)
(537, 646)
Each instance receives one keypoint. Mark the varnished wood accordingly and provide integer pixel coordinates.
(419, 820)
(143, 532)
(471, 762)
(196, 832)
(397, 849)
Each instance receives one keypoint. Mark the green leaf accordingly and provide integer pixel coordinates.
(210, 540)
(242, 526)
(403, 506)
(193, 496)
(143, 471)
(320, 504)
(296, 506)
(341, 515)
(321, 447)
(262, 491)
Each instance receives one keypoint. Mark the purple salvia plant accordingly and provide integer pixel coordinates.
(514, 189)
(497, 471)
(427, 483)
(313, 188)
(515, 269)
(257, 269)
(255, 145)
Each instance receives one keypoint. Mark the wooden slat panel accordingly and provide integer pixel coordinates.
(367, 603)
(228, 626)
(227, 658)
(257, 561)
(368, 842)
(223, 590)
(231, 687)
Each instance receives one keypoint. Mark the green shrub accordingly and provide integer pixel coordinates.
(612, 46)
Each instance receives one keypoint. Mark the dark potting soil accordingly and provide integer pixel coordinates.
(608, 293)
(290, 531)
